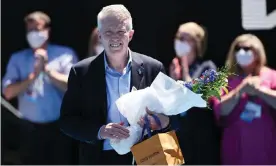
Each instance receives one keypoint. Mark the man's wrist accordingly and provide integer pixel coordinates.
(166, 123)
(166, 128)
(99, 133)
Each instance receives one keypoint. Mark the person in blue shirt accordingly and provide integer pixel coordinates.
(38, 76)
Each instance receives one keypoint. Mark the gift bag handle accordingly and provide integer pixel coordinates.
(147, 125)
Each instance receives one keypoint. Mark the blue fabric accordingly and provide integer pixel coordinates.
(147, 126)
(193, 67)
(117, 84)
(42, 100)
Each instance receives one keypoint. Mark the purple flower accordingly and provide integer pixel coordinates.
(206, 80)
(212, 78)
(210, 72)
(188, 85)
(209, 76)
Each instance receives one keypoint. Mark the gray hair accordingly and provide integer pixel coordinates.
(119, 11)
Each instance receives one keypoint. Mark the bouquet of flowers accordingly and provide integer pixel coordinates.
(168, 97)
(210, 83)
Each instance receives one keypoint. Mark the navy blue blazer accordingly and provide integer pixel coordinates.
(83, 109)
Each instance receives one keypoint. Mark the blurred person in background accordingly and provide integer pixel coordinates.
(189, 45)
(94, 47)
(38, 77)
(247, 113)
(200, 136)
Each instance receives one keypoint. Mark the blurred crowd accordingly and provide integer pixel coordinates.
(239, 129)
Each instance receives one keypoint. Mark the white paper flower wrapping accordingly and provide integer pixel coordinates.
(123, 146)
(165, 95)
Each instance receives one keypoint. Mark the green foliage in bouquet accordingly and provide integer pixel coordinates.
(210, 83)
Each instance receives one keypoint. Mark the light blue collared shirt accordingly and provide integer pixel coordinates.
(117, 84)
(41, 104)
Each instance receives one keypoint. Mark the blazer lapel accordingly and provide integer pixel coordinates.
(104, 87)
(137, 71)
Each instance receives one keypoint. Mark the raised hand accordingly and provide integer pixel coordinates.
(41, 61)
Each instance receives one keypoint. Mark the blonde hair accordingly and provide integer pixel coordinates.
(257, 46)
(119, 11)
(38, 15)
(198, 34)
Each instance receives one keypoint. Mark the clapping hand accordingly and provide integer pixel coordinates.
(185, 68)
(251, 85)
(41, 60)
(40, 63)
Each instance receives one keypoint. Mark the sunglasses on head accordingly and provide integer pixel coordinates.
(237, 48)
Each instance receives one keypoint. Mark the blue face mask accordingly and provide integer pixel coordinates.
(37, 38)
(182, 48)
(244, 58)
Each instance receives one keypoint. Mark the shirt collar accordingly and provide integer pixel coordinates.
(128, 63)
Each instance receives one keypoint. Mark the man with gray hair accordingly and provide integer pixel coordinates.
(89, 113)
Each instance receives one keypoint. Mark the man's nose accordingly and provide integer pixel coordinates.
(115, 38)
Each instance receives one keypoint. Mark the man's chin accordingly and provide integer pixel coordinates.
(116, 52)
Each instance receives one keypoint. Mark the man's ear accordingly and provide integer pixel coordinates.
(99, 37)
(131, 33)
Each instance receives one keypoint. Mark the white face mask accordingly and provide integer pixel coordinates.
(182, 48)
(37, 38)
(244, 58)
(99, 49)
